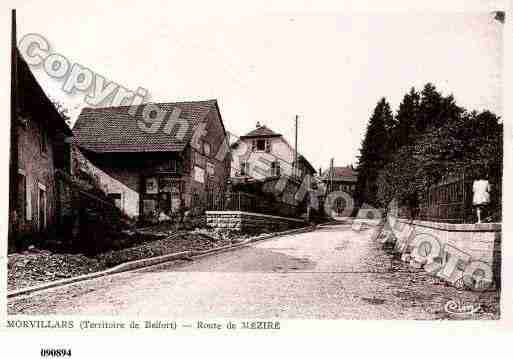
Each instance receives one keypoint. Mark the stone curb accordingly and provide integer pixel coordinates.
(147, 262)
(200, 254)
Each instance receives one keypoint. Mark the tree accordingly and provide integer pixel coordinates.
(429, 108)
(406, 119)
(435, 110)
(431, 137)
(465, 144)
(373, 153)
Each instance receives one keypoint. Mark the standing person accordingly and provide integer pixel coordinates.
(481, 190)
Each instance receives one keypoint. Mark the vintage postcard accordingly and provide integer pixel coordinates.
(177, 171)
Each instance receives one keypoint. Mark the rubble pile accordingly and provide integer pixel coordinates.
(34, 266)
(171, 244)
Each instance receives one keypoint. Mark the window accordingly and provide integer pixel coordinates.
(43, 139)
(275, 168)
(168, 166)
(117, 199)
(199, 159)
(199, 174)
(210, 168)
(171, 166)
(206, 148)
(244, 169)
(152, 185)
(41, 204)
(261, 145)
(22, 198)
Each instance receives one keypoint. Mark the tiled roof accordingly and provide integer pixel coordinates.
(341, 173)
(114, 129)
(261, 131)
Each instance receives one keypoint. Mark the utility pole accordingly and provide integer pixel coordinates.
(295, 148)
(331, 175)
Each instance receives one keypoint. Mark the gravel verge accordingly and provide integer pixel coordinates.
(34, 266)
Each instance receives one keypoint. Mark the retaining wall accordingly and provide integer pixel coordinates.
(249, 222)
(482, 241)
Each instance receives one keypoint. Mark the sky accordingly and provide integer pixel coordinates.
(330, 68)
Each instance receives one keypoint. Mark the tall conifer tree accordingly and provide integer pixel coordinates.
(373, 153)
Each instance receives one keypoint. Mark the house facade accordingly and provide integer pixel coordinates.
(39, 147)
(263, 155)
(340, 179)
(154, 174)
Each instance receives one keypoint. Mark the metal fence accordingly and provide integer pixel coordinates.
(248, 202)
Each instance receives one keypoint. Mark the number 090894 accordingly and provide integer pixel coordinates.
(56, 353)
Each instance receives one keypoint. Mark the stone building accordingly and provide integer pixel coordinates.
(38, 148)
(153, 173)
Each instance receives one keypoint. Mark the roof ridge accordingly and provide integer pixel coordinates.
(116, 129)
(147, 103)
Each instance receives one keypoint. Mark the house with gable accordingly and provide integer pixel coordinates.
(340, 179)
(39, 147)
(263, 153)
(266, 158)
(154, 174)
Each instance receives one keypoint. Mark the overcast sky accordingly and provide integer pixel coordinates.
(330, 69)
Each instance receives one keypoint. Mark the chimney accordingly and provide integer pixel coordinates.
(258, 124)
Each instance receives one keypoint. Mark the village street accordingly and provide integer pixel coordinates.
(331, 273)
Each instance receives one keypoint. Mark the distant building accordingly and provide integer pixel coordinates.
(153, 174)
(340, 179)
(264, 159)
(263, 153)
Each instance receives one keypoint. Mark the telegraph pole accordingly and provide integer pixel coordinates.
(331, 175)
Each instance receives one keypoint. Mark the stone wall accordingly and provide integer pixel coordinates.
(128, 201)
(88, 220)
(248, 222)
(481, 241)
(37, 168)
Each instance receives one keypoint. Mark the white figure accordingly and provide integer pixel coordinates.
(481, 189)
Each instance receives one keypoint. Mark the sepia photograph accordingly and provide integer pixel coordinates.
(170, 168)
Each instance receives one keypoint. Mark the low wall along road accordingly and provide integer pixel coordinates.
(470, 243)
(249, 222)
